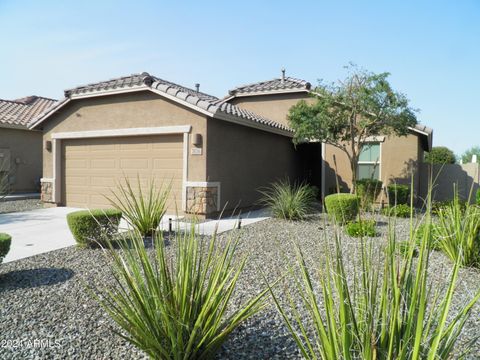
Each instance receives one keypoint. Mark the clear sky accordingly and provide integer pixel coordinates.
(431, 48)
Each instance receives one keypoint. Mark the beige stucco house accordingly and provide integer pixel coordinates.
(21, 148)
(215, 153)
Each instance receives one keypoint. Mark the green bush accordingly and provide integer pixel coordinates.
(180, 308)
(368, 190)
(401, 210)
(342, 208)
(142, 207)
(439, 205)
(361, 228)
(405, 247)
(420, 231)
(398, 194)
(457, 232)
(5, 242)
(287, 201)
(440, 155)
(93, 227)
(477, 197)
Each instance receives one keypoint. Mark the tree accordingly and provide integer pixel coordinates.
(440, 155)
(346, 113)
(467, 155)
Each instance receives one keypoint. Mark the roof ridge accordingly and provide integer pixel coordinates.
(274, 84)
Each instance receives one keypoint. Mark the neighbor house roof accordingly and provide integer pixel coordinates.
(199, 101)
(426, 134)
(274, 86)
(18, 113)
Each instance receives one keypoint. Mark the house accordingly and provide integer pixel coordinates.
(21, 148)
(215, 153)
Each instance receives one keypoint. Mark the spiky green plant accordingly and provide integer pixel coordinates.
(457, 232)
(142, 208)
(288, 201)
(384, 312)
(179, 310)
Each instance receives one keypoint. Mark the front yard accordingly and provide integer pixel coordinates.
(45, 298)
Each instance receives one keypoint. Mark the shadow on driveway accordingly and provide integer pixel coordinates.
(31, 278)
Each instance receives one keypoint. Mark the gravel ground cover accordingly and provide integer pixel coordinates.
(20, 205)
(44, 297)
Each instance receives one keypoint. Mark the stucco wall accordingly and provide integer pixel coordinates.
(274, 107)
(134, 110)
(243, 159)
(400, 157)
(25, 158)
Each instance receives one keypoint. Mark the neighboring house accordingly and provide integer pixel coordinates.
(21, 148)
(215, 153)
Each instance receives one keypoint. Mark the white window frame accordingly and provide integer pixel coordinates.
(378, 162)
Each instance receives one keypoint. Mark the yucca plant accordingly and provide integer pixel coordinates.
(179, 310)
(457, 232)
(142, 208)
(288, 201)
(383, 312)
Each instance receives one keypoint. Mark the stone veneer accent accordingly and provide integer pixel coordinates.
(46, 190)
(202, 200)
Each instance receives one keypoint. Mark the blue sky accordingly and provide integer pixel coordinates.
(431, 48)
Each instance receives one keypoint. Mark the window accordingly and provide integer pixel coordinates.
(369, 162)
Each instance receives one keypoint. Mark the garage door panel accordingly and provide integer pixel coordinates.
(93, 167)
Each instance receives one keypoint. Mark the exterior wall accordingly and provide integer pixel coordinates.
(400, 157)
(25, 158)
(243, 160)
(274, 107)
(132, 110)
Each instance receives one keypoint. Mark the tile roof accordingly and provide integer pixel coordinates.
(18, 113)
(214, 106)
(274, 85)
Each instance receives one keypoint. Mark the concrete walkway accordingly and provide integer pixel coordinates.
(39, 231)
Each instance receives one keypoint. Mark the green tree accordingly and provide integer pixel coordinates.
(440, 155)
(467, 155)
(346, 113)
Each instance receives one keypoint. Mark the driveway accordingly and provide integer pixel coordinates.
(37, 231)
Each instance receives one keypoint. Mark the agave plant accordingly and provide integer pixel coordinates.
(386, 312)
(142, 208)
(176, 311)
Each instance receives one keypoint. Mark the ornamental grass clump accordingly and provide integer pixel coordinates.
(457, 232)
(385, 308)
(289, 201)
(178, 308)
(142, 207)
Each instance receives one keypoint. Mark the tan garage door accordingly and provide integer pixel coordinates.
(92, 167)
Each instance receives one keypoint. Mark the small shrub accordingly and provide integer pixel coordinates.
(142, 208)
(477, 197)
(287, 201)
(432, 240)
(404, 248)
(342, 208)
(361, 228)
(180, 309)
(368, 190)
(401, 210)
(5, 242)
(457, 232)
(439, 205)
(398, 194)
(92, 227)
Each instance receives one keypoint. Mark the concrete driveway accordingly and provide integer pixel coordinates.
(36, 232)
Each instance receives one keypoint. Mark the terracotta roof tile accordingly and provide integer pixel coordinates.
(21, 111)
(278, 84)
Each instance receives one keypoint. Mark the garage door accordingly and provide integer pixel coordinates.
(92, 167)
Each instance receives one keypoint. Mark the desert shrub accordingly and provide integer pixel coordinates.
(457, 232)
(367, 191)
(142, 208)
(361, 228)
(181, 308)
(401, 210)
(398, 194)
(5, 242)
(289, 201)
(386, 311)
(440, 155)
(91, 228)
(439, 205)
(342, 208)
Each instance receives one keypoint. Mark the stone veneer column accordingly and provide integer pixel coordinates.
(46, 190)
(202, 200)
